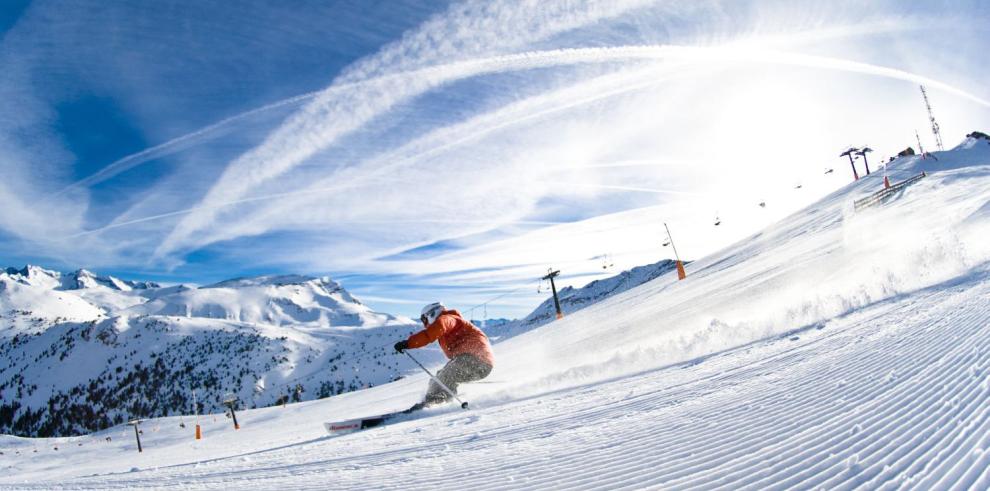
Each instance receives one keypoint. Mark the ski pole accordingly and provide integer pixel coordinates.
(442, 385)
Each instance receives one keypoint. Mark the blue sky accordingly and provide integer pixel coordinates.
(423, 150)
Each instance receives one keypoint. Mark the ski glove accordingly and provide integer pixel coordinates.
(401, 346)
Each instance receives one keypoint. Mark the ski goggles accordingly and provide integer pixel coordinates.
(424, 319)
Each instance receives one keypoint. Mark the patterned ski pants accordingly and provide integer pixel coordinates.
(462, 368)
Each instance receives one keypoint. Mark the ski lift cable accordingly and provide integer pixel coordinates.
(646, 222)
(502, 295)
(484, 305)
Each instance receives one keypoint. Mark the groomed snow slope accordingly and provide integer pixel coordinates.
(836, 350)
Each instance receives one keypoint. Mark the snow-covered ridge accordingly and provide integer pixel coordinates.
(27, 307)
(275, 300)
(77, 280)
(273, 280)
(574, 299)
(87, 279)
(972, 140)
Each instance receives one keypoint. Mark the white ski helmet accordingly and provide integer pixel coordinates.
(431, 312)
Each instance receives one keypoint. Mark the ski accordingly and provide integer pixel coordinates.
(352, 425)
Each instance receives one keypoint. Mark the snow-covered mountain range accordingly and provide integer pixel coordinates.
(81, 352)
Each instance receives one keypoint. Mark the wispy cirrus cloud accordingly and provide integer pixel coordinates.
(445, 138)
(468, 29)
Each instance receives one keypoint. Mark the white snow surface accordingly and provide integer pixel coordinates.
(29, 308)
(833, 350)
(81, 295)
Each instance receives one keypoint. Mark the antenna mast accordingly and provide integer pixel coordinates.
(935, 131)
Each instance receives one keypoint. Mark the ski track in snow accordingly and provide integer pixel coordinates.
(892, 393)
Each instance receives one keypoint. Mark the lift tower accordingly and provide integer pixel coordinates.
(931, 117)
(556, 301)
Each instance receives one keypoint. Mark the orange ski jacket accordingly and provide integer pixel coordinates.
(456, 336)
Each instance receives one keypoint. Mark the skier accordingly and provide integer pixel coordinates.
(465, 345)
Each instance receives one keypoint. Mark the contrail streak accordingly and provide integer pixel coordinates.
(176, 144)
(322, 122)
(693, 55)
(408, 154)
(449, 137)
(506, 23)
(453, 221)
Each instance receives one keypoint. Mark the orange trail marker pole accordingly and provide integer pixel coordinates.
(680, 265)
(199, 431)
